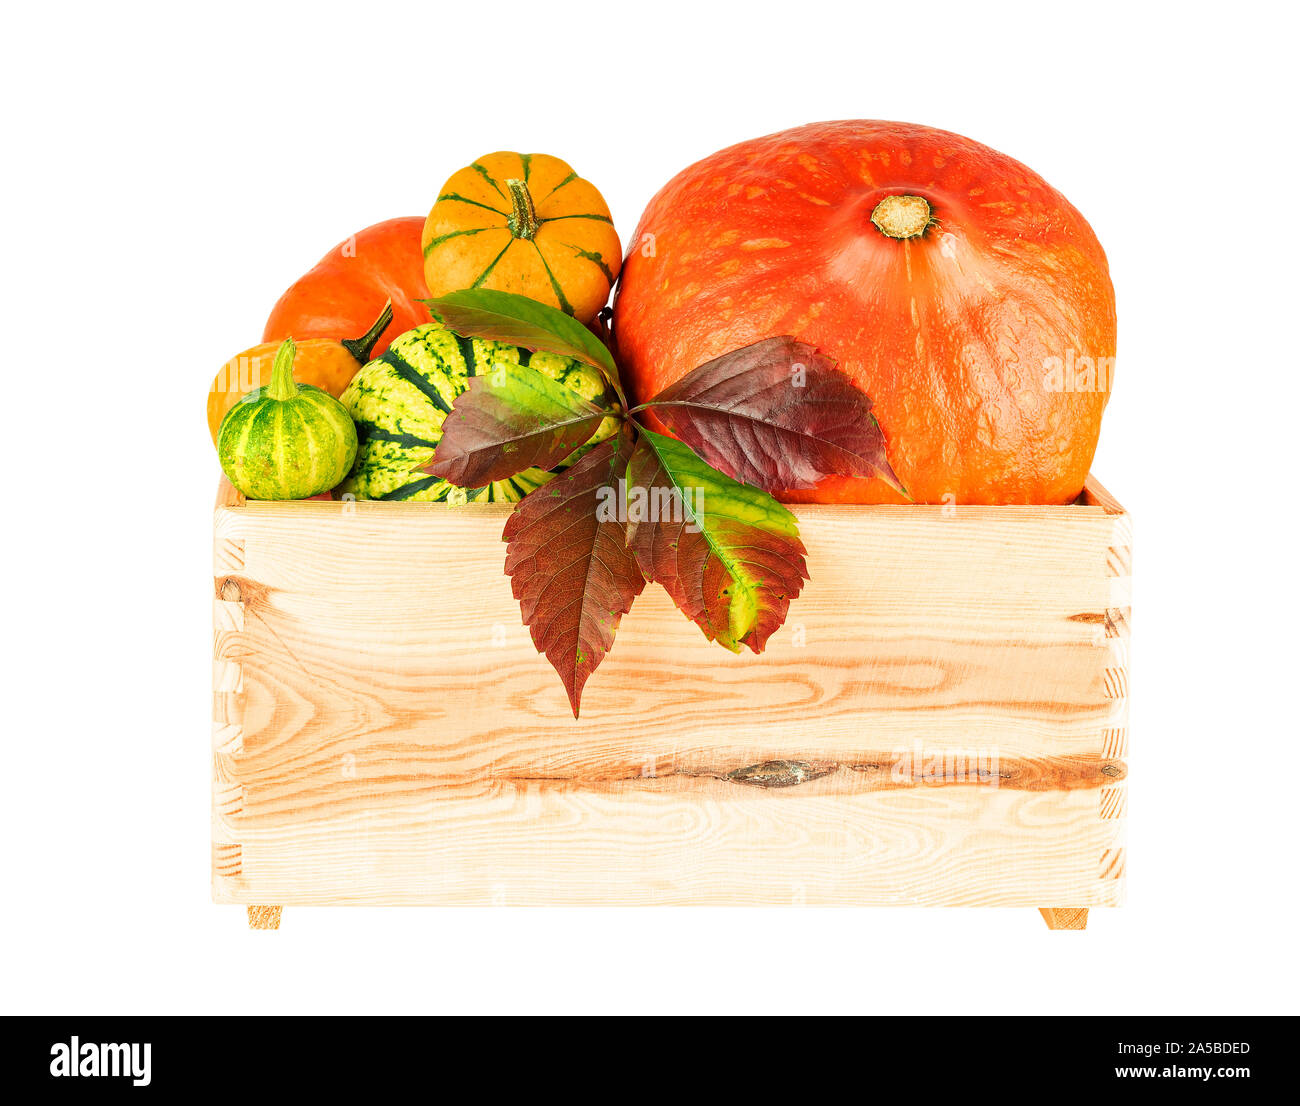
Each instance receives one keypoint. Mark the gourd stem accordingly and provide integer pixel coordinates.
(360, 347)
(902, 216)
(282, 385)
(523, 220)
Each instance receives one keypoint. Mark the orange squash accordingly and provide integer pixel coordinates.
(348, 286)
(328, 363)
(951, 283)
(523, 223)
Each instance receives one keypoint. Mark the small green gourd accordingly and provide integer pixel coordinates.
(286, 440)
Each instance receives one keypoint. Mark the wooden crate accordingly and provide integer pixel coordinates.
(942, 721)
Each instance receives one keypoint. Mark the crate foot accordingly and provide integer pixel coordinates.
(264, 917)
(1065, 917)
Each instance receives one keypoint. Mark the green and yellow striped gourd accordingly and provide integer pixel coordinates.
(399, 402)
(286, 440)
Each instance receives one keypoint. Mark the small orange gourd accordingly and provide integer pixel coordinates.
(326, 363)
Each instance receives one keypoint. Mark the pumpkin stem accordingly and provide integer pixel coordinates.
(523, 221)
(282, 385)
(360, 347)
(902, 216)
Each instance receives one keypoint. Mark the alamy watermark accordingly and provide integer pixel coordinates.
(90, 1060)
(656, 504)
(1078, 373)
(932, 766)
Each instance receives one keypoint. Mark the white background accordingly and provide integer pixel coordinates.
(170, 170)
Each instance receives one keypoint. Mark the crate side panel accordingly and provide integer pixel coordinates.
(679, 842)
(382, 667)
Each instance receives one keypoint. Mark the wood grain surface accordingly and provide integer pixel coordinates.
(942, 719)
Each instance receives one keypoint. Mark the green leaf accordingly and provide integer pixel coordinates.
(520, 321)
(510, 419)
(728, 554)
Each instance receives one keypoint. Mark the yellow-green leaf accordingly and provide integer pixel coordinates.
(728, 554)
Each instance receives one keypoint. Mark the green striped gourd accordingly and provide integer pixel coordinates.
(399, 402)
(286, 440)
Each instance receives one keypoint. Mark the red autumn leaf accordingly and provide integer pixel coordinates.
(569, 565)
(778, 415)
(728, 554)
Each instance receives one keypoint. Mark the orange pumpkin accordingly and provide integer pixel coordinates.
(348, 286)
(328, 363)
(523, 223)
(954, 285)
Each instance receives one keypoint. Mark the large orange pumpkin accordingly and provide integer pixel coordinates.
(966, 296)
(523, 223)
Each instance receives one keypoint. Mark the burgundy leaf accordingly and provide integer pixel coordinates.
(728, 553)
(778, 415)
(569, 564)
(510, 419)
